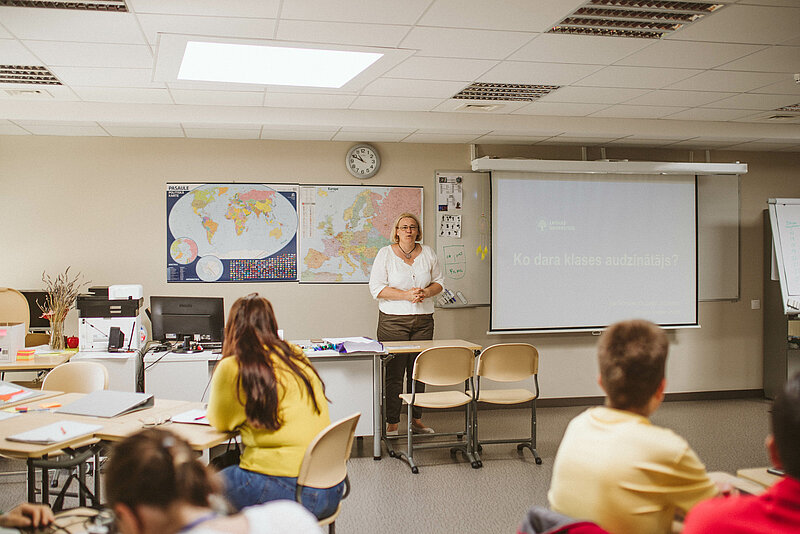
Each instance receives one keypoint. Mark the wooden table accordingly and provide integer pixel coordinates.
(759, 475)
(200, 437)
(39, 362)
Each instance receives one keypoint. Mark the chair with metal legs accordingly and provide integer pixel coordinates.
(508, 362)
(441, 366)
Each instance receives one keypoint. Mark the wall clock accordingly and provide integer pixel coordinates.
(363, 161)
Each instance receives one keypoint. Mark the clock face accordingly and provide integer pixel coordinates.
(363, 161)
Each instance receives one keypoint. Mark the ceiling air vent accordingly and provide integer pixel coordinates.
(793, 107)
(645, 19)
(89, 5)
(34, 75)
(505, 91)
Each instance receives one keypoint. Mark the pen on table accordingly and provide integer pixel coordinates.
(201, 417)
(62, 430)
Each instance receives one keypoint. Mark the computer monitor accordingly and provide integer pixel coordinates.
(38, 323)
(201, 318)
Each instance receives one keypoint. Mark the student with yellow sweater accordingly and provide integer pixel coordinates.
(267, 390)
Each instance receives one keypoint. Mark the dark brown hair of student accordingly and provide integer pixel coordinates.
(786, 426)
(155, 467)
(632, 357)
(251, 336)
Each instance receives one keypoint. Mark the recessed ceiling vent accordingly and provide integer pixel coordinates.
(505, 91)
(793, 107)
(34, 75)
(89, 5)
(645, 19)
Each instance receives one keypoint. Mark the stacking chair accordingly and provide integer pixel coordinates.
(441, 366)
(14, 307)
(325, 462)
(73, 377)
(509, 362)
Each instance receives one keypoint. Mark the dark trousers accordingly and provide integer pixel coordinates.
(402, 328)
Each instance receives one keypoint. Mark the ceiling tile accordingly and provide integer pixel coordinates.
(537, 73)
(644, 142)
(704, 143)
(299, 135)
(762, 146)
(414, 88)
(345, 33)
(241, 28)
(720, 80)
(214, 8)
(395, 103)
(51, 93)
(223, 133)
(376, 11)
(218, 98)
(744, 24)
(440, 138)
(515, 15)
(372, 137)
(438, 68)
(4, 33)
(562, 109)
(13, 53)
(100, 77)
(123, 95)
(463, 106)
(754, 101)
(55, 53)
(308, 100)
(786, 86)
(635, 112)
(585, 49)
(90, 129)
(708, 114)
(469, 44)
(9, 128)
(666, 97)
(636, 77)
(688, 54)
(579, 140)
(70, 25)
(495, 139)
(143, 131)
(593, 95)
(773, 59)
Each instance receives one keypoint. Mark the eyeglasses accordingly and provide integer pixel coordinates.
(407, 228)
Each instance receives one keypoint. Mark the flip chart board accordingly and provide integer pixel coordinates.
(784, 215)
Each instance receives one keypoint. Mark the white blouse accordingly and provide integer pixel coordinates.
(273, 517)
(389, 270)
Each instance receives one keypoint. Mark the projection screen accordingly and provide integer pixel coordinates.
(580, 252)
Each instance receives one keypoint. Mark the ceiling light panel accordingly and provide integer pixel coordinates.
(633, 18)
(27, 74)
(117, 6)
(504, 91)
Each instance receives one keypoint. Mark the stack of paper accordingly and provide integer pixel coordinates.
(10, 392)
(195, 417)
(348, 345)
(56, 432)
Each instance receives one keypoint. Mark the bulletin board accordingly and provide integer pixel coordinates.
(463, 237)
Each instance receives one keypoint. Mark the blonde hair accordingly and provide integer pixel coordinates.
(406, 215)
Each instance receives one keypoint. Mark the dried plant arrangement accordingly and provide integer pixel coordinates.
(62, 291)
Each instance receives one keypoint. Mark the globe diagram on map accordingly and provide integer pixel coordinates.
(183, 250)
(209, 269)
(234, 221)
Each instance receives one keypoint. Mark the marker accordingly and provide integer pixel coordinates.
(201, 417)
(62, 430)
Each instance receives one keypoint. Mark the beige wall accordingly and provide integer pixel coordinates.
(98, 205)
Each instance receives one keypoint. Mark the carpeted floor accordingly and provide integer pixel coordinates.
(448, 496)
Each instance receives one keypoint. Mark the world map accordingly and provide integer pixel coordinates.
(231, 232)
(343, 227)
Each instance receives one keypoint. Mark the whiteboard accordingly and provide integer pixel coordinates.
(784, 215)
(718, 237)
(463, 237)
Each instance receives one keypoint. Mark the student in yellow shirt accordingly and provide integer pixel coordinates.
(613, 466)
(267, 390)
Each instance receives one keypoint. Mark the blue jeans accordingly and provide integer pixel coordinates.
(246, 488)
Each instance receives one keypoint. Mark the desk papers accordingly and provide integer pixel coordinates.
(10, 392)
(108, 404)
(56, 432)
(194, 417)
(348, 345)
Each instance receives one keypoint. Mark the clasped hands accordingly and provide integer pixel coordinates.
(415, 295)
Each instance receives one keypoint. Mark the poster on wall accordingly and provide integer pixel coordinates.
(234, 232)
(344, 226)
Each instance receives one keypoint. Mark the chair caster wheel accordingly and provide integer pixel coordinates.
(392, 454)
(538, 461)
(476, 464)
(415, 470)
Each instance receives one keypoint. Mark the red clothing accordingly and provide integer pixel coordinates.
(774, 511)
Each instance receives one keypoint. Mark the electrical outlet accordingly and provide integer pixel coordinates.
(755, 304)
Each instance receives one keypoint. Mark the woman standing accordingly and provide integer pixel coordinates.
(268, 390)
(404, 278)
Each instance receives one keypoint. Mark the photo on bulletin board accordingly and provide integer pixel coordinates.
(231, 232)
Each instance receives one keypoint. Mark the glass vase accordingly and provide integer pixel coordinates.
(57, 341)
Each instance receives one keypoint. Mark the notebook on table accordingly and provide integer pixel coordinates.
(56, 432)
(107, 403)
